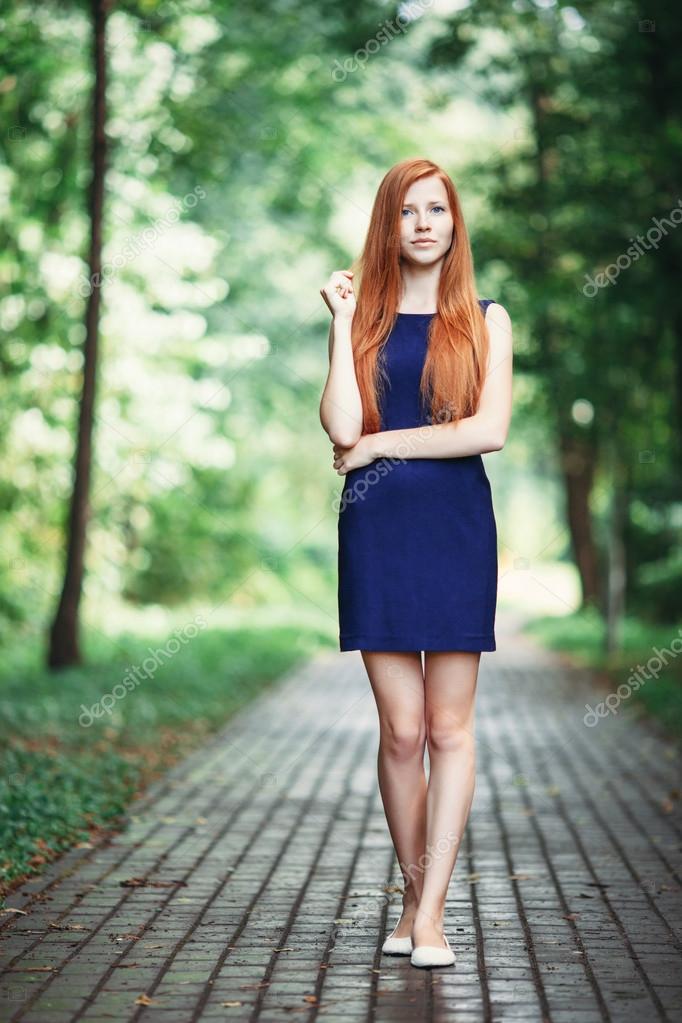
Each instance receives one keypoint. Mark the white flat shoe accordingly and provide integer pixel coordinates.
(433, 955)
(397, 946)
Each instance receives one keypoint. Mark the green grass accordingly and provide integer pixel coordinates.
(582, 637)
(63, 780)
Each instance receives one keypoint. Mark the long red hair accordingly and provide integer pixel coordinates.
(457, 356)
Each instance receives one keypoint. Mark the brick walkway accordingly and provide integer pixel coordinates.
(270, 872)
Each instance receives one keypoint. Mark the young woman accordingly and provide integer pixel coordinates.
(419, 386)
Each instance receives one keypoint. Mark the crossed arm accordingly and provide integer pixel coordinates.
(485, 431)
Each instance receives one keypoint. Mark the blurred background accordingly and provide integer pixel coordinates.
(177, 181)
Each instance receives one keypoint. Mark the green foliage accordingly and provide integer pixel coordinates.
(48, 802)
(220, 190)
(657, 593)
(65, 770)
(644, 646)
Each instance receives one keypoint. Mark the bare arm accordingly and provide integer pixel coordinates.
(485, 431)
(340, 405)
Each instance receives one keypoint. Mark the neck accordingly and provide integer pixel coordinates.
(420, 288)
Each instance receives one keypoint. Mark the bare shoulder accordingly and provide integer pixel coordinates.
(497, 314)
(499, 327)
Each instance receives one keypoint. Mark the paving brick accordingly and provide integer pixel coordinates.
(564, 904)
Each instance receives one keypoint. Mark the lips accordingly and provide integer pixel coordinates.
(425, 241)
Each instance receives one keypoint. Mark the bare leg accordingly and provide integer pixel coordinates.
(397, 682)
(450, 687)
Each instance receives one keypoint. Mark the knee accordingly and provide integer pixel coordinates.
(403, 739)
(446, 736)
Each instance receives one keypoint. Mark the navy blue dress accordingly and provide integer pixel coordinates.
(417, 555)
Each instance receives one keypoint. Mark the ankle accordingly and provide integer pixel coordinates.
(433, 915)
(411, 897)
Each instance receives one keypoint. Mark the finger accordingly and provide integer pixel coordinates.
(340, 276)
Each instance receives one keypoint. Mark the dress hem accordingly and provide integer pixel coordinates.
(390, 644)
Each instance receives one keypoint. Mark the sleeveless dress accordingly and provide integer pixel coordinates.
(417, 539)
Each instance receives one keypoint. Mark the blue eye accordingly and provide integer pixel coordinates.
(405, 210)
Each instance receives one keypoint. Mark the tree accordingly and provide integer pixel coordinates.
(64, 648)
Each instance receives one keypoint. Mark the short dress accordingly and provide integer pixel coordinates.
(417, 539)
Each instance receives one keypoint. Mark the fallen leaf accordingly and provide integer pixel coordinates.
(231, 1004)
(144, 1000)
(34, 969)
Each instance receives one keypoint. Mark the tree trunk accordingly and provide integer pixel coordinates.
(616, 569)
(578, 473)
(575, 455)
(64, 647)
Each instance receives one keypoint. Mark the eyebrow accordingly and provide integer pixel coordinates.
(443, 202)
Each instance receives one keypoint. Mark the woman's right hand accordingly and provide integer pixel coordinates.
(339, 295)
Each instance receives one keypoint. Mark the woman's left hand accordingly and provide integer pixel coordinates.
(347, 459)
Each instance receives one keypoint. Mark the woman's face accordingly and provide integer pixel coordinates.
(426, 222)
